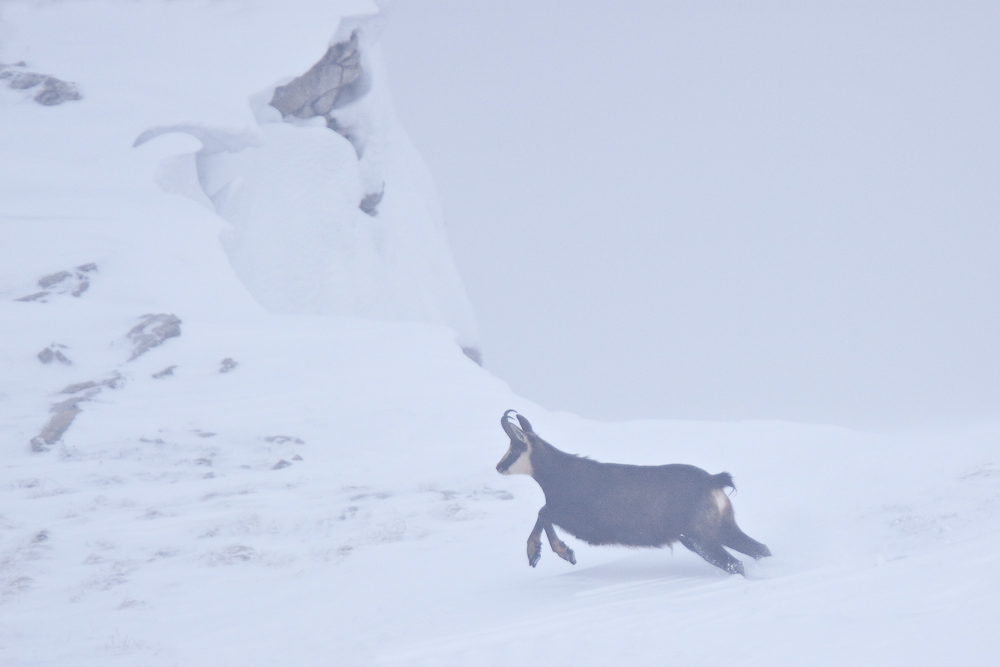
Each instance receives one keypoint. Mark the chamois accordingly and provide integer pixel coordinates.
(636, 506)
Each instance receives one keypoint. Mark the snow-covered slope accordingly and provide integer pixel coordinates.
(291, 189)
(188, 477)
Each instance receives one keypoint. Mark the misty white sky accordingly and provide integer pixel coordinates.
(719, 210)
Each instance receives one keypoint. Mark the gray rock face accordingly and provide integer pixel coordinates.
(369, 203)
(166, 372)
(48, 281)
(74, 282)
(331, 83)
(152, 331)
(54, 353)
(53, 91)
(54, 429)
(65, 411)
(335, 81)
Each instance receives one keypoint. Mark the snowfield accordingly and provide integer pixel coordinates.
(213, 453)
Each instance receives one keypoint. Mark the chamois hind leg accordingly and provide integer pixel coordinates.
(714, 554)
(735, 538)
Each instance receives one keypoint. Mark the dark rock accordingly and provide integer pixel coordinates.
(280, 464)
(79, 386)
(346, 132)
(369, 203)
(48, 281)
(283, 439)
(227, 365)
(169, 370)
(24, 80)
(113, 382)
(331, 83)
(55, 428)
(56, 91)
(74, 282)
(73, 403)
(152, 331)
(53, 353)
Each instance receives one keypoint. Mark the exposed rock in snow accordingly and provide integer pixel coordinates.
(64, 414)
(74, 283)
(227, 365)
(283, 439)
(334, 81)
(53, 91)
(152, 331)
(302, 200)
(166, 372)
(54, 353)
(37, 296)
(369, 203)
(65, 411)
(52, 279)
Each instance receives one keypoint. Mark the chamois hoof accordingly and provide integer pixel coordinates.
(566, 553)
(534, 554)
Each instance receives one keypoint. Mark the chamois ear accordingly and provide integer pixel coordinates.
(513, 432)
(525, 424)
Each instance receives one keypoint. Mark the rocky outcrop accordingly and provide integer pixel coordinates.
(331, 83)
(54, 353)
(369, 203)
(65, 411)
(152, 331)
(51, 91)
(73, 282)
(336, 80)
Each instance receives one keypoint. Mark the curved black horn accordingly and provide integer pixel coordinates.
(513, 432)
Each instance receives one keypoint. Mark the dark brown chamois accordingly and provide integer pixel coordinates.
(636, 506)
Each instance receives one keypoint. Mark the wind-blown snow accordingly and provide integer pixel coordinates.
(314, 488)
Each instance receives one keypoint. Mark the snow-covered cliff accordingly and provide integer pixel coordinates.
(328, 212)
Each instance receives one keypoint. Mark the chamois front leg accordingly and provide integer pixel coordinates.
(535, 542)
(557, 545)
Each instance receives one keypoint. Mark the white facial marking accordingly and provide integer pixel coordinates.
(522, 466)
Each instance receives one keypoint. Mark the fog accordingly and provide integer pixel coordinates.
(719, 210)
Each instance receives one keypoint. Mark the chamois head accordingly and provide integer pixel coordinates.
(517, 460)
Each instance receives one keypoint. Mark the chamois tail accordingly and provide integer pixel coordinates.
(723, 481)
